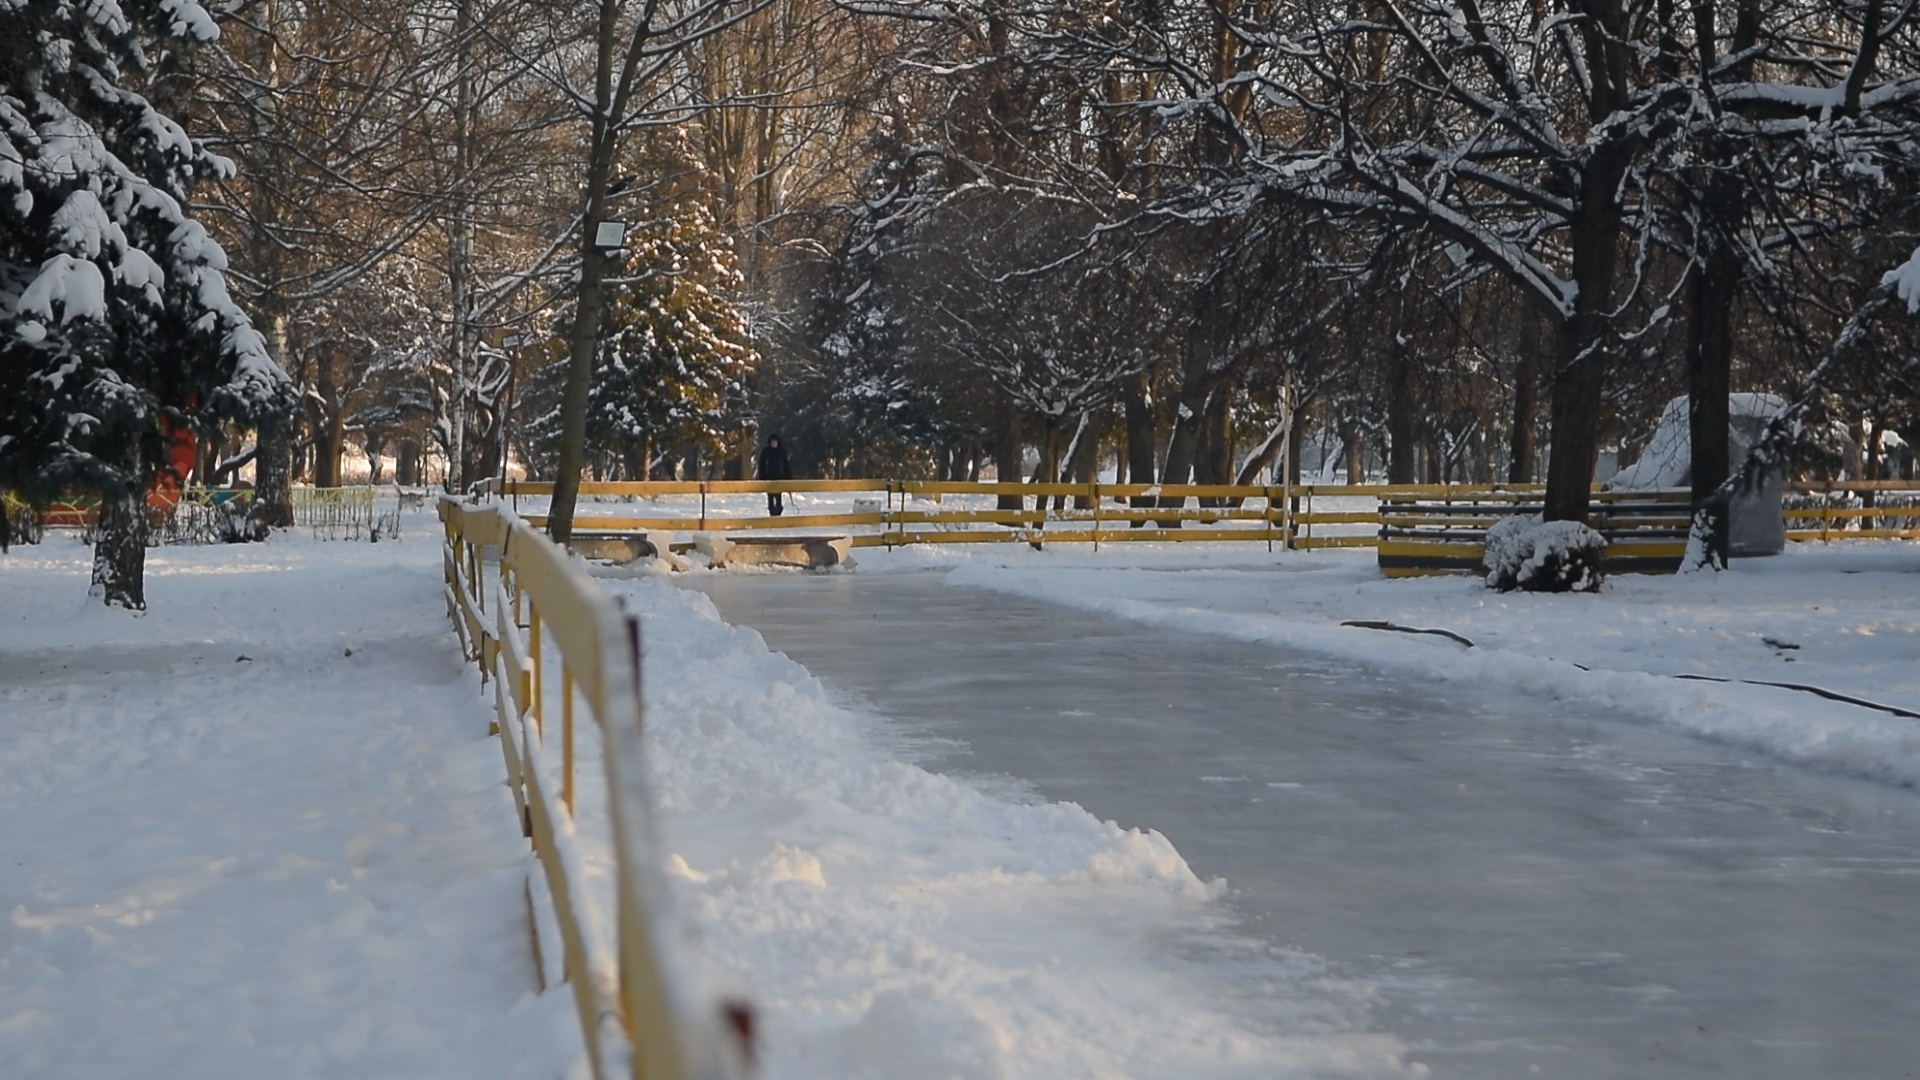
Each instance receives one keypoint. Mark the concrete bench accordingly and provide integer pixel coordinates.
(614, 547)
(806, 552)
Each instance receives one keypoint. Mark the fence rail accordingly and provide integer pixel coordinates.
(549, 642)
(1894, 515)
(1047, 513)
(1648, 527)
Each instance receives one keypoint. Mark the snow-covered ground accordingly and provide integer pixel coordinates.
(303, 862)
(258, 831)
(1842, 618)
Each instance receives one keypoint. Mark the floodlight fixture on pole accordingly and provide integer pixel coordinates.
(610, 236)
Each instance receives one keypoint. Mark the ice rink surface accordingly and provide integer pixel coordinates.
(1527, 887)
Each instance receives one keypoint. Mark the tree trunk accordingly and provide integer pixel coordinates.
(1709, 380)
(330, 434)
(1871, 467)
(1046, 469)
(1585, 348)
(406, 464)
(273, 456)
(1083, 464)
(120, 550)
(1216, 459)
(1526, 392)
(1183, 446)
(273, 474)
(1006, 456)
(1296, 444)
(212, 445)
(1138, 407)
(1402, 419)
(1074, 461)
(1268, 452)
(375, 447)
(602, 148)
(1576, 400)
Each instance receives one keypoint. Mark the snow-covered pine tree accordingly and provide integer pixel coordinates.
(674, 351)
(676, 354)
(115, 322)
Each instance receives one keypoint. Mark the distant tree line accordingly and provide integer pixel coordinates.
(1457, 241)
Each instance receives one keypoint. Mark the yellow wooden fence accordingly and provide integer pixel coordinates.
(333, 512)
(1419, 535)
(913, 512)
(550, 642)
(1049, 513)
(1828, 523)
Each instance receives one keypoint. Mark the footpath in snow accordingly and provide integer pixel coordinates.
(1842, 618)
(258, 831)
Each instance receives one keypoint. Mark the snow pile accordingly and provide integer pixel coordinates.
(891, 922)
(1526, 553)
(1667, 460)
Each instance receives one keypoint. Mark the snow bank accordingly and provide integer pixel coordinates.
(1837, 618)
(896, 923)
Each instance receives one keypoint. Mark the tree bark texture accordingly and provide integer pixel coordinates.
(1709, 381)
(1585, 345)
(1138, 405)
(1403, 421)
(1520, 438)
(273, 458)
(602, 146)
(120, 549)
(1006, 456)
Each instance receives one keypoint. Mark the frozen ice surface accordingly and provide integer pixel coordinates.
(896, 924)
(1521, 886)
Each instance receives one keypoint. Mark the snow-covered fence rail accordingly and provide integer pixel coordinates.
(548, 641)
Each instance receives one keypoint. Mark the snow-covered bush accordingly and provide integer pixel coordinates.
(1543, 556)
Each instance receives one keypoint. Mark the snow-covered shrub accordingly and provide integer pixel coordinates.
(1543, 556)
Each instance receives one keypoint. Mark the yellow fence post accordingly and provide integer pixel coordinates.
(566, 735)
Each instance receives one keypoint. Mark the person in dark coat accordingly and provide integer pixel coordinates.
(774, 466)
